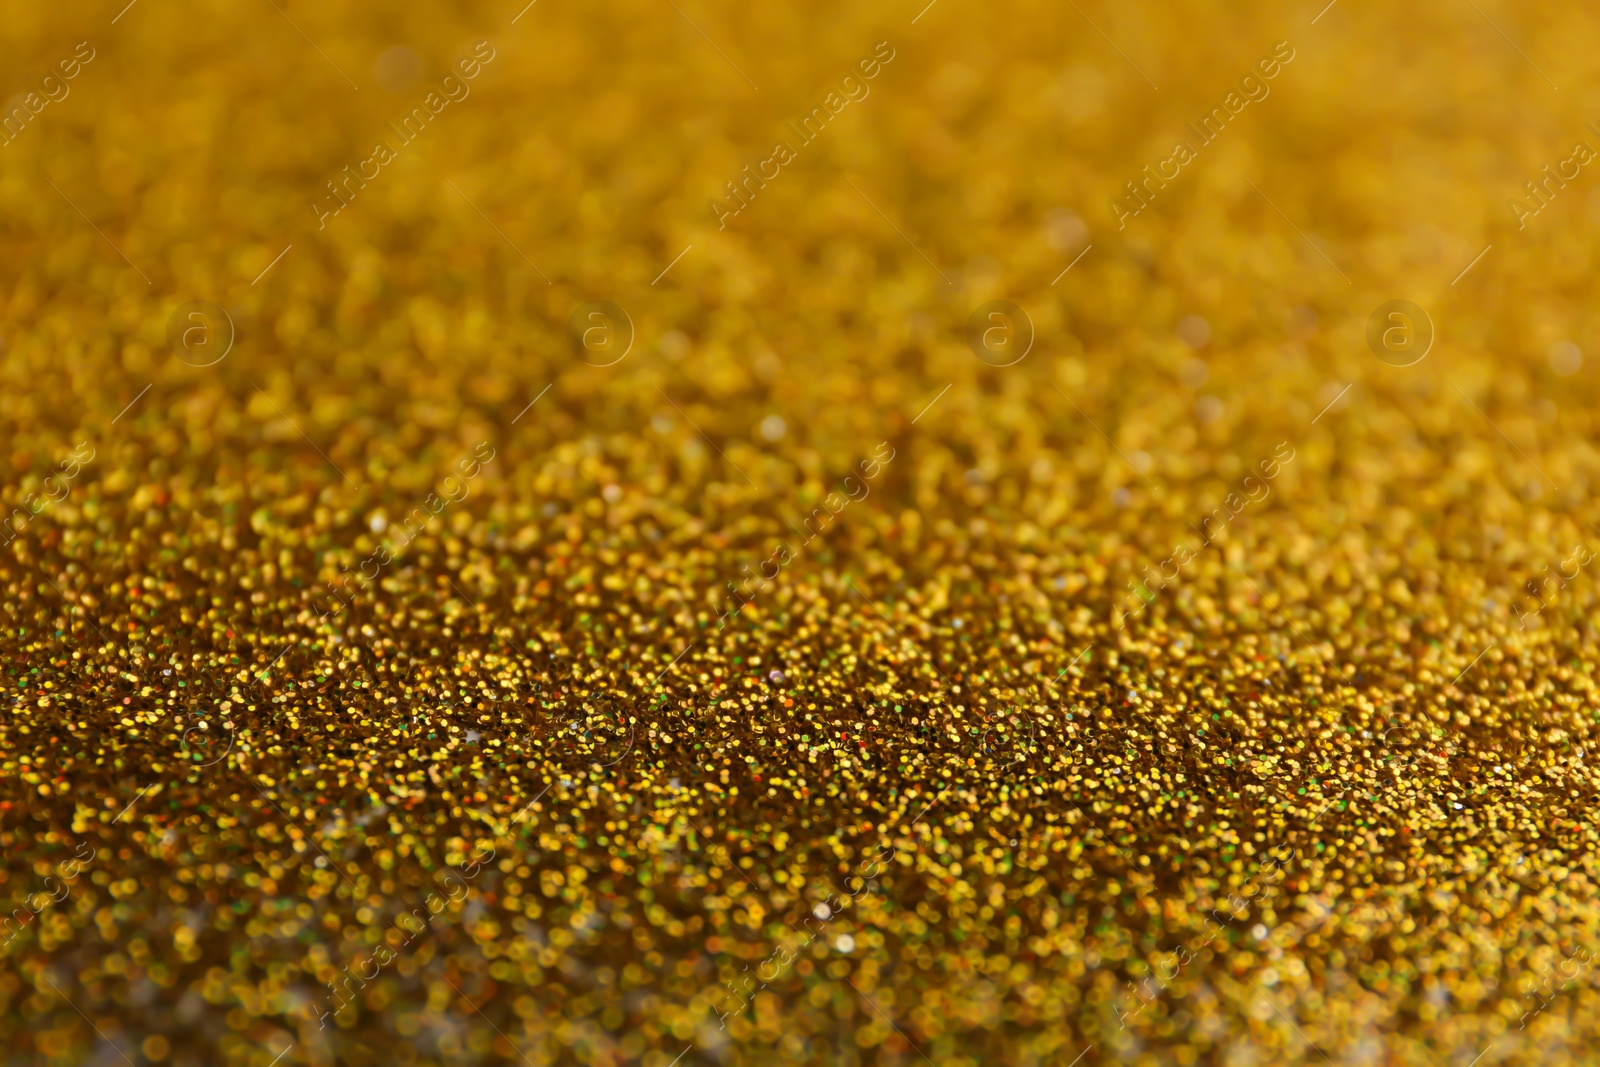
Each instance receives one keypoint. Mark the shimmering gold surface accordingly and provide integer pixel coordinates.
(1197, 688)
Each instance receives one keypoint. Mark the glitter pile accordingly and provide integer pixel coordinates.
(483, 587)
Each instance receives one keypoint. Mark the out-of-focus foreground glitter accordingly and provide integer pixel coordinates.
(673, 532)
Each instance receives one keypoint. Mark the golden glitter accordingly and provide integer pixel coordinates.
(482, 586)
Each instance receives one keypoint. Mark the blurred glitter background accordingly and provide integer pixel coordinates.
(681, 533)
